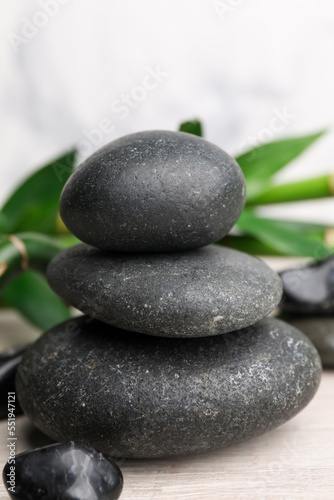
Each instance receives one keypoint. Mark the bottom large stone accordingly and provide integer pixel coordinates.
(130, 395)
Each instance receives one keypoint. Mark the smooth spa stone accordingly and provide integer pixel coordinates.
(131, 395)
(154, 191)
(321, 332)
(196, 293)
(309, 290)
(66, 471)
(9, 360)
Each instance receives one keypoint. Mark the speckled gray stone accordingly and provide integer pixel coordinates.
(321, 332)
(154, 191)
(196, 293)
(138, 396)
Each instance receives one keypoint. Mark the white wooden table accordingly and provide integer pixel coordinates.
(295, 461)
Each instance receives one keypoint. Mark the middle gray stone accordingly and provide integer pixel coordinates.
(196, 293)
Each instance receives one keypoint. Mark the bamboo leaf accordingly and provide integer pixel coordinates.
(262, 162)
(34, 205)
(192, 127)
(68, 241)
(252, 245)
(301, 226)
(282, 239)
(33, 298)
(248, 244)
(3, 223)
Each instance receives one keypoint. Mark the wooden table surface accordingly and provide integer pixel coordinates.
(295, 461)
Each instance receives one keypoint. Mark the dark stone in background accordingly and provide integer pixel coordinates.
(132, 395)
(9, 360)
(197, 293)
(321, 332)
(67, 471)
(154, 191)
(309, 290)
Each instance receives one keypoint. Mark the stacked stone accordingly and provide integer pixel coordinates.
(175, 354)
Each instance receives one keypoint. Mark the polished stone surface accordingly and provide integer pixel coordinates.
(321, 332)
(309, 290)
(132, 395)
(197, 293)
(9, 360)
(154, 191)
(66, 471)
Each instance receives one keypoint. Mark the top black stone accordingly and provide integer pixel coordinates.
(154, 191)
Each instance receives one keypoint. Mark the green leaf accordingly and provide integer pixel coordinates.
(33, 298)
(283, 239)
(34, 205)
(261, 163)
(3, 223)
(68, 241)
(300, 226)
(193, 127)
(248, 244)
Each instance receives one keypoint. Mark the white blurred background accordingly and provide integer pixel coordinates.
(84, 72)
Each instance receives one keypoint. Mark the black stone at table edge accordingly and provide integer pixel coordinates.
(194, 293)
(136, 396)
(9, 360)
(154, 191)
(309, 289)
(66, 471)
(320, 330)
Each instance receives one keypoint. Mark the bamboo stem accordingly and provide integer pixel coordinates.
(319, 187)
(24, 251)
